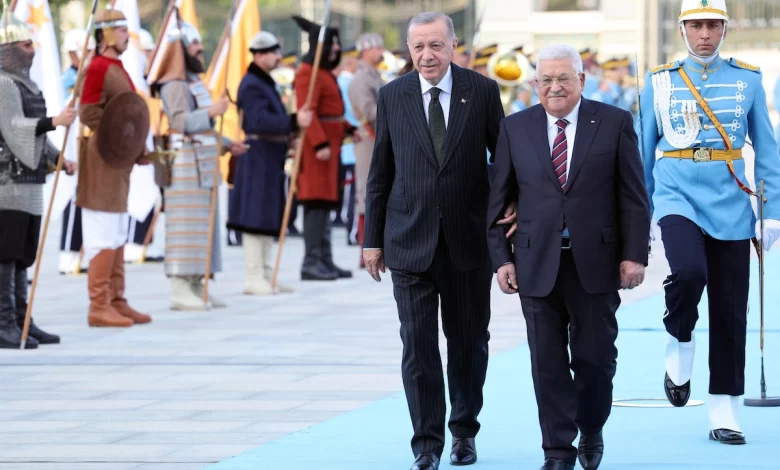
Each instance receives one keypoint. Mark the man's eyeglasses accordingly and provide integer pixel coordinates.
(563, 80)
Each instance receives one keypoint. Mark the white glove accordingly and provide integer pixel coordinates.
(652, 233)
(771, 232)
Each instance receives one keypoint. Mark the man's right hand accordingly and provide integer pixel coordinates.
(507, 279)
(303, 116)
(66, 117)
(219, 107)
(323, 154)
(375, 262)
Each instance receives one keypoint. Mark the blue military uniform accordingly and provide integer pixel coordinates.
(706, 218)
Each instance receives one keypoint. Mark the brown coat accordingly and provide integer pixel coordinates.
(101, 187)
(319, 180)
(363, 93)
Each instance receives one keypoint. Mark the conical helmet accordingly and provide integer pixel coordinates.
(11, 29)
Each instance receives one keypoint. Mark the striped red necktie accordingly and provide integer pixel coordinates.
(560, 152)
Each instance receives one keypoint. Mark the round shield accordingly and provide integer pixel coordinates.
(124, 126)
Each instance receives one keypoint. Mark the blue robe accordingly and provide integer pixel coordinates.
(705, 192)
(258, 189)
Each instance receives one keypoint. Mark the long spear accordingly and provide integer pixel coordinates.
(299, 150)
(76, 96)
(215, 179)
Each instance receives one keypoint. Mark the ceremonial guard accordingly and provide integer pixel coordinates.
(363, 92)
(26, 156)
(318, 180)
(698, 113)
(259, 195)
(116, 114)
(191, 118)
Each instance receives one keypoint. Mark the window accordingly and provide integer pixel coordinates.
(567, 5)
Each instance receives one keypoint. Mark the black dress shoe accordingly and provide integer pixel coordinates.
(590, 451)
(464, 451)
(555, 464)
(677, 395)
(727, 436)
(426, 461)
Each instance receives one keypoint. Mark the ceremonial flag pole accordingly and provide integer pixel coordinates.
(299, 149)
(76, 96)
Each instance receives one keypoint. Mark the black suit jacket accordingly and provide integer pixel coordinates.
(409, 198)
(605, 203)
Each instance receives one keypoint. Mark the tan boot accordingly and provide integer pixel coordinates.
(101, 313)
(117, 283)
(256, 282)
(268, 271)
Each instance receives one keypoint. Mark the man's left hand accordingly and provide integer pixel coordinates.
(237, 148)
(357, 137)
(70, 167)
(632, 274)
(510, 217)
(771, 232)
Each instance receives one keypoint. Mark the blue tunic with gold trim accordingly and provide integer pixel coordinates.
(705, 192)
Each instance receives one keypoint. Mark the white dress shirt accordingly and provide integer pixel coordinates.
(571, 131)
(445, 85)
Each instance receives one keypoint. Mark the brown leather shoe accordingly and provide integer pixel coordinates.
(117, 291)
(101, 313)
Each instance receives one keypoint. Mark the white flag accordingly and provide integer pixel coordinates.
(143, 193)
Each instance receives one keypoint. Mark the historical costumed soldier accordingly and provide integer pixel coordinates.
(191, 117)
(258, 188)
(698, 112)
(26, 156)
(363, 92)
(110, 108)
(318, 181)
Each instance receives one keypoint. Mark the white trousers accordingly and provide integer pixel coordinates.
(103, 231)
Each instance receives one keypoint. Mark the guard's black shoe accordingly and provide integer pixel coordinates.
(727, 436)
(677, 395)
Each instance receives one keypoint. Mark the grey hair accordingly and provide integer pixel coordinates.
(561, 51)
(431, 17)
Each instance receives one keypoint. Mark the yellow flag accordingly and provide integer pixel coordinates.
(187, 12)
(245, 25)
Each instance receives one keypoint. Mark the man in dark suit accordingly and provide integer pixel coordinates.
(583, 220)
(426, 213)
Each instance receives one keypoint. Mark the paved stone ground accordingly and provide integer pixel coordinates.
(192, 389)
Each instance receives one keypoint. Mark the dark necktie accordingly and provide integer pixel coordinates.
(436, 124)
(560, 152)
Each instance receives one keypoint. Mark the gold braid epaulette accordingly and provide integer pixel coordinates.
(669, 66)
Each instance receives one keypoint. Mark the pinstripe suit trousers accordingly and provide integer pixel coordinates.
(465, 310)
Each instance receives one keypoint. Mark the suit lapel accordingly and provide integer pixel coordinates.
(587, 125)
(540, 142)
(460, 104)
(413, 103)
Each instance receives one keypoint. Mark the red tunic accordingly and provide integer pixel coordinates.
(319, 180)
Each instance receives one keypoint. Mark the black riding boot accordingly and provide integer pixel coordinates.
(10, 334)
(326, 248)
(21, 311)
(313, 269)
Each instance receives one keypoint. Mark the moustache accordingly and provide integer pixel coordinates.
(558, 94)
(428, 64)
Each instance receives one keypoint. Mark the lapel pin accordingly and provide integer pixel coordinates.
(593, 122)
(463, 100)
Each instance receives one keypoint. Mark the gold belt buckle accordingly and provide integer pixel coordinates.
(702, 154)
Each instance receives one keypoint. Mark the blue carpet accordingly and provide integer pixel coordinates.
(377, 436)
